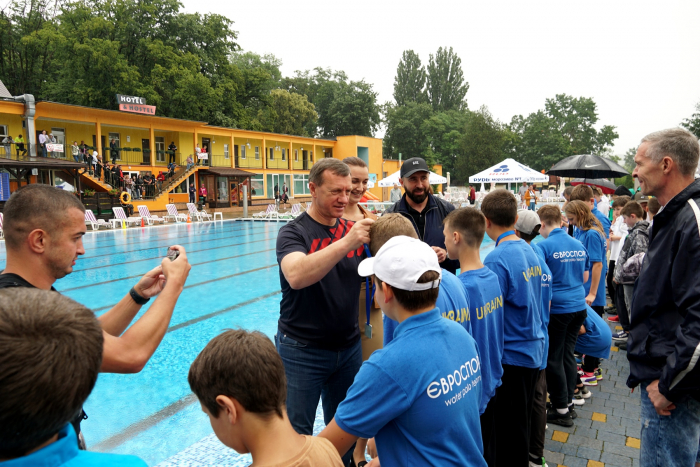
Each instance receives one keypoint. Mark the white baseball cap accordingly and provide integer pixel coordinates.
(401, 262)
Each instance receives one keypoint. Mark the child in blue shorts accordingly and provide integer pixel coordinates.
(464, 231)
(594, 342)
(419, 395)
(520, 277)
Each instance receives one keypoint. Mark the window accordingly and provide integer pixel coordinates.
(296, 155)
(256, 185)
(311, 156)
(284, 154)
(257, 153)
(115, 137)
(272, 154)
(160, 148)
(4, 132)
(226, 154)
(301, 184)
(242, 151)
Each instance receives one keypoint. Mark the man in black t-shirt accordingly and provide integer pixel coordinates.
(44, 230)
(318, 336)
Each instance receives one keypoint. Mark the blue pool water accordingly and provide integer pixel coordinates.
(234, 283)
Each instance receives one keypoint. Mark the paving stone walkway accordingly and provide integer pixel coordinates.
(606, 432)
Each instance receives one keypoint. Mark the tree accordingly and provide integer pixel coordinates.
(692, 124)
(575, 118)
(443, 134)
(481, 145)
(409, 83)
(404, 130)
(289, 113)
(628, 159)
(445, 80)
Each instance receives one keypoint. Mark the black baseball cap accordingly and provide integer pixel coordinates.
(413, 165)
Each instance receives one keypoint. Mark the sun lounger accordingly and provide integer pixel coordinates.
(95, 223)
(145, 214)
(201, 215)
(173, 214)
(120, 217)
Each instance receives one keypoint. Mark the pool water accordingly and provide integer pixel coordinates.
(234, 283)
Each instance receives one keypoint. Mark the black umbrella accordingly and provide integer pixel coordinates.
(587, 166)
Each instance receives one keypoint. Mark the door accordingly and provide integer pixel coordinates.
(279, 180)
(146, 148)
(235, 155)
(59, 135)
(305, 159)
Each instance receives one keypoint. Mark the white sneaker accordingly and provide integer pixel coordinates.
(579, 402)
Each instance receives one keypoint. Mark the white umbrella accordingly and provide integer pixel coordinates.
(433, 179)
(509, 171)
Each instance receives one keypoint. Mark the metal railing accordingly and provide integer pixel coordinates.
(141, 187)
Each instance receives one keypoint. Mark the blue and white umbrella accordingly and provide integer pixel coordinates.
(509, 171)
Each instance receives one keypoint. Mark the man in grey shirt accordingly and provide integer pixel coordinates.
(395, 193)
(523, 189)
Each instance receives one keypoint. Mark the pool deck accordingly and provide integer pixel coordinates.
(607, 430)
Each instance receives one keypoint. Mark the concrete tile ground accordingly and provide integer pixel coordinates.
(606, 432)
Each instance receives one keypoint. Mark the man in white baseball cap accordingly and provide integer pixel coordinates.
(418, 396)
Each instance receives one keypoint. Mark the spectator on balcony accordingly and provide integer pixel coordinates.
(42, 142)
(98, 167)
(172, 148)
(197, 153)
(160, 179)
(75, 151)
(94, 161)
(19, 142)
(190, 162)
(52, 140)
(84, 152)
(7, 141)
(138, 183)
(205, 151)
(114, 154)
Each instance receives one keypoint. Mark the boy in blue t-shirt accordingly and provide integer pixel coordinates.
(464, 231)
(420, 412)
(520, 276)
(50, 355)
(452, 299)
(568, 261)
(527, 227)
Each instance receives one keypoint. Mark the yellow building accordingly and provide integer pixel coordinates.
(268, 159)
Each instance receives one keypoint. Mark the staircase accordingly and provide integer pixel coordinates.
(178, 177)
(90, 181)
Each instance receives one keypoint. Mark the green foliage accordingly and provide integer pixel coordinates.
(404, 130)
(565, 127)
(482, 145)
(289, 113)
(443, 134)
(628, 159)
(692, 124)
(344, 107)
(445, 81)
(409, 83)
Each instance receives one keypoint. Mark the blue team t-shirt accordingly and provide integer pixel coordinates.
(64, 453)
(452, 301)
(605, 222)
(567, 258)
(595, 245)
(546, 300)
(419, 396)
(486, 302)
(597, 340)
(519, 274)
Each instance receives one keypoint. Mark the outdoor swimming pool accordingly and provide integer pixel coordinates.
(234, 282)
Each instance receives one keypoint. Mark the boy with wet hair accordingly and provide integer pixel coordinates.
(240, 382)
(520, 278)
(50, 356)
(421, 414)
(464, 231)
(452, 299)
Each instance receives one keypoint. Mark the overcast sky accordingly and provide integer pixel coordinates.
(639, 60)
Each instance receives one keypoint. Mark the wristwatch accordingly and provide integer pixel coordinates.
(138, 298)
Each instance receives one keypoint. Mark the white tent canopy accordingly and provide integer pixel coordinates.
(433, 179)
(509, 171)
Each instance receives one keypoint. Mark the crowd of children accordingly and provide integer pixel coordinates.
(462, 378)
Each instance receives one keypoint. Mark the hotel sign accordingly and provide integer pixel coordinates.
(135, 104)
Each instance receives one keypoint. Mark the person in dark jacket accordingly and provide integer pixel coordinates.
(424, 210)
(664, 339)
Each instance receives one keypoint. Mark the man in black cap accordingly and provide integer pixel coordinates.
(424, 210)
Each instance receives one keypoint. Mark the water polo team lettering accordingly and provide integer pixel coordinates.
(489, 307)
(461, 316)
(535, 271)
(456, 378)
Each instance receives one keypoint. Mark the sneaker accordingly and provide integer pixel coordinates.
(540, 463)
(559, 419)
(598, 374)
(578, 401)
(621, 345)
(614, 319)
(572, 412)
(583, 393)
(589, 379)
(620, 336)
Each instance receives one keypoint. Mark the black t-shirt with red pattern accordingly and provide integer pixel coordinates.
(322, 315)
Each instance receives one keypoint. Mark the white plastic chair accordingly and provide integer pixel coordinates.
(263, 214)
(173, 214)
(145, 214)
(94, 222)
(201, 215)
(120, 217)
